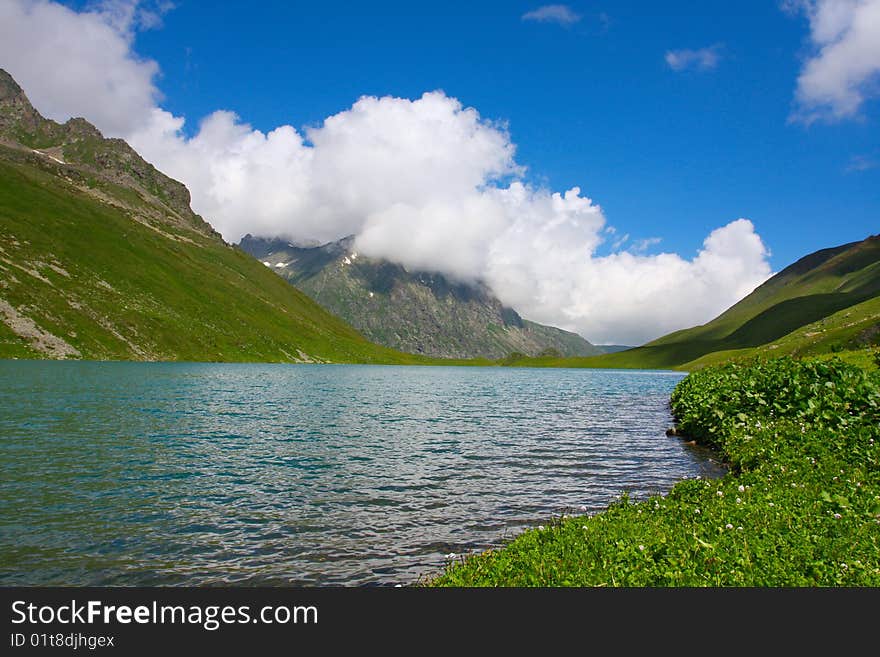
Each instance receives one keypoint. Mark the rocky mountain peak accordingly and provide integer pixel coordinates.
(9, 88)
(79, 144)
(16, 111)
(79, 127)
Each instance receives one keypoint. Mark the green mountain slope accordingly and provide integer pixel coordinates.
(815, 287)
(853, 329)
(417, 312)
(612, 348)
(102, 258)
(826, 301)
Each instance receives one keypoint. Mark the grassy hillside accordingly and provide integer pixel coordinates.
(825, 302)
(815, 287)
(850, 333)
(101, 257)
(88, 270)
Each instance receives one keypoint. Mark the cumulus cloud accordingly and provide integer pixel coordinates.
(844, 68)
(625, 296)
(702, 59)
(425, 182)
(78, 64)
(561, 14)
(378, 160)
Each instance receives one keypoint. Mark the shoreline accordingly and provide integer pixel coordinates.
(800, 505)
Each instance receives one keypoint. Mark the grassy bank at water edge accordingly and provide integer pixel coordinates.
(799, 507)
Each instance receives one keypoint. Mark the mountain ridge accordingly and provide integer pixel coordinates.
(415, 311)
(88, 155)
(102, 258)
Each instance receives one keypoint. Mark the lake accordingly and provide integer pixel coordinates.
(254, 474)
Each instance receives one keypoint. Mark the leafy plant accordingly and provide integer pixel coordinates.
(799, 507)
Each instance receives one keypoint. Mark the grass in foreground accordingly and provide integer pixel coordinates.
(800, 506)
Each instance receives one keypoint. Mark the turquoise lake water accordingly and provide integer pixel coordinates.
(185, 473)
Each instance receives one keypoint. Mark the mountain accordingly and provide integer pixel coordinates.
(848, 332)
(101, 257)
(414, 311)
(825, 302)
(612, 348)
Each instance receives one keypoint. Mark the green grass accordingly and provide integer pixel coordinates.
(851, 334)
(133, 292)
(799, 507)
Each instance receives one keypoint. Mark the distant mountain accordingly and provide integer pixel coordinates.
(612, 348)
(826, 301)
(413, 311)
(101, 257)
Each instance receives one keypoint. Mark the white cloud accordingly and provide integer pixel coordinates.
(644, 244)
(703, 59)
(361, 168)
(77, 64)
(625, 297)
(861, 163)
(844, 69)
(132, 15)
(561, 14)
(427, 183)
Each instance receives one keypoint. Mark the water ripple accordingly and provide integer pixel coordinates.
(181, 473)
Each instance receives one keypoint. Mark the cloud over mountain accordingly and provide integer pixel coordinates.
(425, 182)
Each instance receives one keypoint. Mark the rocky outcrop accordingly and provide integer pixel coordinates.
(79, 145)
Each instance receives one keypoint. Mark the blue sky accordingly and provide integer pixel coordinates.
(620, 169)
(666, 154)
